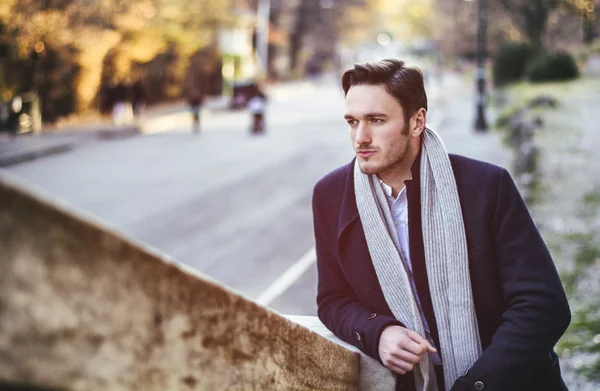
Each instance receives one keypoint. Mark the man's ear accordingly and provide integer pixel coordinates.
(418, 122)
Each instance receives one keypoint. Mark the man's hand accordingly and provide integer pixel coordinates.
(400, 349)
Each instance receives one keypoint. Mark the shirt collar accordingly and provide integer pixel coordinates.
(387, 189)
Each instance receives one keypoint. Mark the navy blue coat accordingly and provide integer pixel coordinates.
(520, 303)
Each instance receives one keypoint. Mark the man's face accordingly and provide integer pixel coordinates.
(379, 132)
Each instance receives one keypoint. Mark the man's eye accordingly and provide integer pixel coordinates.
(352, 122)
(376, 120)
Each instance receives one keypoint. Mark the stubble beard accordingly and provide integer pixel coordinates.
(394, 156)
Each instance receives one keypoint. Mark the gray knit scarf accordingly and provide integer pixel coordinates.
(445, 258)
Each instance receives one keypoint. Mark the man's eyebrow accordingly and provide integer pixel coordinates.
(376, 114)
(368, 115)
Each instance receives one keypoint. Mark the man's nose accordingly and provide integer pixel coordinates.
(362, 135)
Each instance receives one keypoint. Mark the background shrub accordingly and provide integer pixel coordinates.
(511, 61)
(552, 67)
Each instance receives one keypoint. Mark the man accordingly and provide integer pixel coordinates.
(138, 99)
(430, 262)
(256, 106)
(195, 100)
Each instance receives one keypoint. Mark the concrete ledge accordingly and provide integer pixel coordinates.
(84, 309)
(373, 375)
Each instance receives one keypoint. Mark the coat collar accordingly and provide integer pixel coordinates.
(349, 210)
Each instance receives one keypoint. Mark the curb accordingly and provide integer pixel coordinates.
(38, 151)
(24, 156)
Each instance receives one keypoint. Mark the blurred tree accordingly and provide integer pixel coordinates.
(567, 24)
(55, 77)
(405, 18)
(587, 10)
(81, 33)
(320, 25)
(532, 17)
(306, 15)
(455, 26)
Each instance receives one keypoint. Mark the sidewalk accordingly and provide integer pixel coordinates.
(22, 148)
(456, 123)
(26, 147)
(59, 139)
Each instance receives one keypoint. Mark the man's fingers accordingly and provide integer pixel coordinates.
(399, 366)
(395, 369)
(416, 336)
(407, 356)
(421, 341)
(400, 349)
(415, 348)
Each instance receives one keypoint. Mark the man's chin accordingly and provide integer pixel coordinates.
(368, 168)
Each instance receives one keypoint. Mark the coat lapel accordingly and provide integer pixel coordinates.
(349, 210)
(354, 254)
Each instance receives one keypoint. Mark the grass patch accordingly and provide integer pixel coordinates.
(591, 371)
(578, 252)
(585, 252)
(523, 93)
(587, 255)
(583, 336)
(592, 200)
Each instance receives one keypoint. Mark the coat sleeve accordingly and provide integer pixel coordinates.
(338, 306)
(537, 312)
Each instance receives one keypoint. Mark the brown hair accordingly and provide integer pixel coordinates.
(402, 82)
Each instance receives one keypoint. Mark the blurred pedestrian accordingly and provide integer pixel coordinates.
(138, 99)
(256, 105)
(313, 68)
(429, 262)
(195, 100)
(121, 109)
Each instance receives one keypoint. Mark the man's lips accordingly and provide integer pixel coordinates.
(365, 154)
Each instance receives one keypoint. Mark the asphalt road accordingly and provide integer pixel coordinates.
(233, 206)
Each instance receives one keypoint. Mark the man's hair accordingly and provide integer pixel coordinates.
(404, 83)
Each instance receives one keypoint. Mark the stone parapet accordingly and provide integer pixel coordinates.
(83, 308)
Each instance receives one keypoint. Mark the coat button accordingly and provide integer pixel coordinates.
(372, 316)
(357, 335)
(479, 385)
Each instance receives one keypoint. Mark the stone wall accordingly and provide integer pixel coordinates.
(82, 308)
